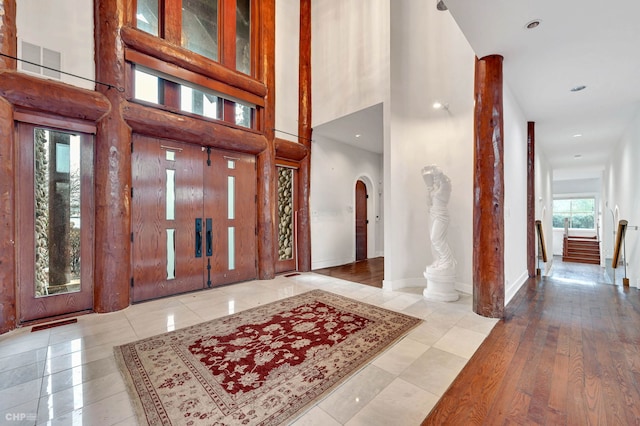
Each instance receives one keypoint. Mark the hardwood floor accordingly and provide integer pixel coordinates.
(370, 271)
(567, 353)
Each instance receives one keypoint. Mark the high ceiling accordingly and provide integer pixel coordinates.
(578, 42)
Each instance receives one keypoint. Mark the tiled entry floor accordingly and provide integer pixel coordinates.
(67, 375)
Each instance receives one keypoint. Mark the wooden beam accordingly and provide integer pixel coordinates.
(531, 200)
(8, 31)
(266, 161)
(488, 200)
(163, 124)
(113, 165)
(7, 219)
(304, 131)
(34, 93)
(183, 58)
(288, 150)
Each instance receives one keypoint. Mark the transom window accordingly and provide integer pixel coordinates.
(217, 29)
(580, 212)
(186, 97)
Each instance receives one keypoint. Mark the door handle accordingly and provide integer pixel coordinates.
(198, 237)
(209, 237)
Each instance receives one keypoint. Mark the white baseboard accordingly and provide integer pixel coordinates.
(420, 283)
(404, 283)
(330, 262)
(464, 288)
(513, 288)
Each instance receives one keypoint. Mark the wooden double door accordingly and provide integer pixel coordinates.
(193, 217)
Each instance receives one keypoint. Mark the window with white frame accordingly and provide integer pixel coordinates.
(579, 212)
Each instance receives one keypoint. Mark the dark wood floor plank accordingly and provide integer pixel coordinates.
(369, 272)
(559, 381)
(567, 353)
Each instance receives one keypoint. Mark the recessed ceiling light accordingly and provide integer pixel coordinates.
(577, 135)
(358, 135)
(532, 24)
(577, 156)
(578, 88)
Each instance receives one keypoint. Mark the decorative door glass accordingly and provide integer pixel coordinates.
(57, 201)
(285, 213)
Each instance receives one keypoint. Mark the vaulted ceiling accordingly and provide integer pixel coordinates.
(577, 43)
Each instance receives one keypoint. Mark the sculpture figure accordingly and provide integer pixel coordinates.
(438, 194)
(441, 273)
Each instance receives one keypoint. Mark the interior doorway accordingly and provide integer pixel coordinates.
(361, 220)
(193, 217)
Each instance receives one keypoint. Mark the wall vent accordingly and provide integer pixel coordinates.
(41, 56)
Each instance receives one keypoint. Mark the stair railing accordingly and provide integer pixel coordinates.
(620, 245)
(542, 249)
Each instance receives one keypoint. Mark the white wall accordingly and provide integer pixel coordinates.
(544, 200)
(622, 194)
(287, 55)
(430, 60)
(335, 169)
(350, 56)
(515, 195)
(39, 23)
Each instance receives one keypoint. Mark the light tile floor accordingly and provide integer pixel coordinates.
(67, 375)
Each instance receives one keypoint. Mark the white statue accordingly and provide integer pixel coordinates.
(441, 273)
(438, 193)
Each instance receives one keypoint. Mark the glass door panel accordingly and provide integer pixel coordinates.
(56, 209)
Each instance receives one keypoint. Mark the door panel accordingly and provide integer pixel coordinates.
(361, 221)
(167, 199)
(55, 212)
(230, 200)
(193, 217)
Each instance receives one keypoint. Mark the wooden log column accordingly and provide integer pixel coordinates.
(113, 164)
(531, 199)
(304, 131)
(267, 175)
(8, 31)
(488, 201)
(8, 46)
(7, 220)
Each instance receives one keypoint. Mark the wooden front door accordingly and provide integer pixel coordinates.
(193, 218)
(361, 221)
(54, 222)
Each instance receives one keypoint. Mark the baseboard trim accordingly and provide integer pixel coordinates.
(513, 288)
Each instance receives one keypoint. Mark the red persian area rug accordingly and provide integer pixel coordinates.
(263, 366)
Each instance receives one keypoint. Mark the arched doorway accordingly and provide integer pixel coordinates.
(361, 220)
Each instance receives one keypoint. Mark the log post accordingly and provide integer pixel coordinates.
(304, 131)
(267, 174)
(531, 199)
(8, 31)
(488, 201)
(113, 164)
(8, 46)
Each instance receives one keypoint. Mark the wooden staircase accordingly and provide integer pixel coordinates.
(581, 250)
